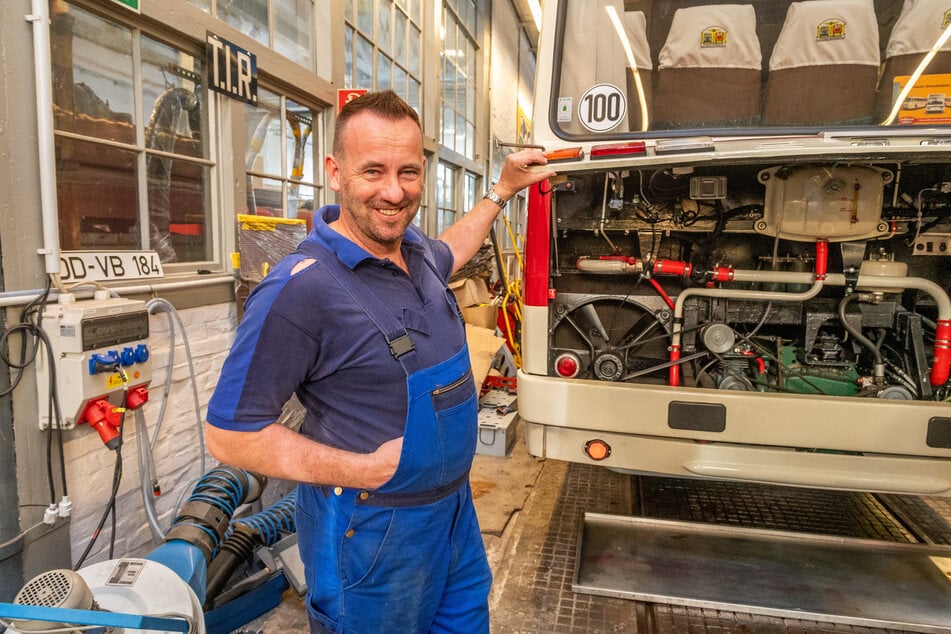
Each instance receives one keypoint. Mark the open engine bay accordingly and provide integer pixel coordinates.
(823, 278)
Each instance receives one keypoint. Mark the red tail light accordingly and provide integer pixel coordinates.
(567, 365)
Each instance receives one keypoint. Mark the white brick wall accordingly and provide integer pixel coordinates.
(210, 331)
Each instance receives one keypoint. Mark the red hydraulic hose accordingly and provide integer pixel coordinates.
(942, 353)
(660, 291)
(674, 374)
(822, 259)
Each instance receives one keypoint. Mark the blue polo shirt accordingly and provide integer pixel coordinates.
(304, 334)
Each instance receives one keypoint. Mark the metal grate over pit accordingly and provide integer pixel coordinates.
(538, 595)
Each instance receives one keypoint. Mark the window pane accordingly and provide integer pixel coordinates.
(470, 190)
(348, 10)
(445, 196)
(174, 115)
(448, 121)
(399, 36)
(265, 196)
(469, 150)
(364, 63)
(383, 71)
(263, 130)
(248, 16)
(348, 57)
(92, 76)
(413, 56)
(384, 26)
(263, 127)
(293, 25)
(300, 147)
(414, 95)
(460, 145)
(300, 200)
(178, 216)
(204, 5)
(97, 196)
(399, 82)
(365, 16)
(414, 10)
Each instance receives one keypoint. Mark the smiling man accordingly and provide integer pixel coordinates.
(359, 323)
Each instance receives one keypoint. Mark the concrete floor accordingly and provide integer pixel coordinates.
(530, 511)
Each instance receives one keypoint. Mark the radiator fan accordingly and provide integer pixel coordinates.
(610, 339)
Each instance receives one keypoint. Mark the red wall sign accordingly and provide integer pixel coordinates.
(348, 94)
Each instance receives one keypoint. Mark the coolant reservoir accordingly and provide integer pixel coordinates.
(836, 203)
(882, 265)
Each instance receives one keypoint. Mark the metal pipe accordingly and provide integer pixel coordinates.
(43, 77)
(21, 298)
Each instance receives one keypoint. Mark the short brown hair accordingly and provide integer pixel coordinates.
(385, 103)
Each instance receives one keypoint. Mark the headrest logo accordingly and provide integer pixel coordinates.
(712, 37)
(831, 29)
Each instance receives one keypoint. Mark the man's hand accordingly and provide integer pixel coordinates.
(521, 169)
(382, 463)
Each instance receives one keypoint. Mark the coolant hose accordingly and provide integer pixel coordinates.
(942, 353)
(879, 372)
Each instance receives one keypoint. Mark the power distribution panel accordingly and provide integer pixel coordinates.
(101, 352)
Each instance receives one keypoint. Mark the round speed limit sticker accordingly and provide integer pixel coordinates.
(602, 107)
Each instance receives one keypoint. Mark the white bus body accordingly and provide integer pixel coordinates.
(740, 272)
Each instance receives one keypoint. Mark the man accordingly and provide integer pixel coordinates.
(360, 325)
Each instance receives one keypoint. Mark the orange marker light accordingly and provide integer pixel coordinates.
(597, 449)
(567, 154)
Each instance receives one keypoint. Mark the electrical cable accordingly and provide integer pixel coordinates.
(116, 480)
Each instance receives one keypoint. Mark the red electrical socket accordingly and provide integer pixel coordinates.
(105, 418)
(136, 397)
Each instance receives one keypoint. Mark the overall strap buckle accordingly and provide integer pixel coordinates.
(401, 345)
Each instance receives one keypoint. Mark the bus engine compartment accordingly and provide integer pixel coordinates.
(801, 277)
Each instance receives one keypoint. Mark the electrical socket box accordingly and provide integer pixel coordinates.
(932, 244)
(93, 344)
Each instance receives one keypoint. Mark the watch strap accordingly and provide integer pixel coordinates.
(491, 195)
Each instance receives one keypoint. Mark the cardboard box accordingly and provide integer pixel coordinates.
(471, 291)
(482, 316)
(483, 345)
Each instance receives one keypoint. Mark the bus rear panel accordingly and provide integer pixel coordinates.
(726, 279)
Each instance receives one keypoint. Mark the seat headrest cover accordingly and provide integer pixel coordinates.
(920, 24)
(714, 36)
(827, 32)
(636, 26)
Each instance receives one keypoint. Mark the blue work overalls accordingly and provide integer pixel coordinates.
(407, 557)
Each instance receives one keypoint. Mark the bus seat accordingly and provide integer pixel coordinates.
(824, 67)
(921, 23)
(596, 56)
(709, 69)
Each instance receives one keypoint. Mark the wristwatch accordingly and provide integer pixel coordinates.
(498, 200)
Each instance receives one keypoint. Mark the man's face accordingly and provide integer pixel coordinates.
(379, 177)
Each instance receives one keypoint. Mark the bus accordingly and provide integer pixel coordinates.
(742, 269)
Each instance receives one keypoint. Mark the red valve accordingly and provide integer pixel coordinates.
(136, 397)
(105, 418)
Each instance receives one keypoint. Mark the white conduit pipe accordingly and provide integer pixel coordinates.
(43, 76)
(21, 298)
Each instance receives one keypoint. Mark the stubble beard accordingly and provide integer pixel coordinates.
(364, 217)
